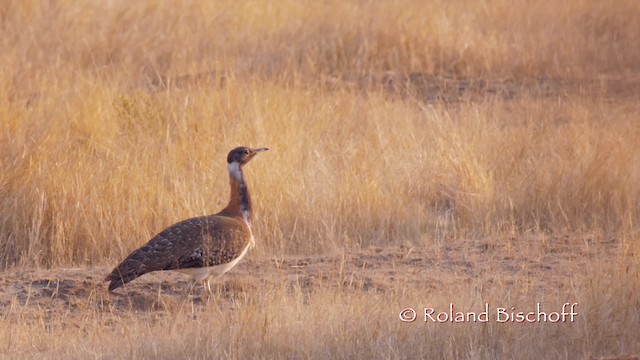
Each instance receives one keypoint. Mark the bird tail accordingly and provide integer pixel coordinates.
(117, 279)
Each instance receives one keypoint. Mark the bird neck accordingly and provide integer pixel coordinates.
(240, 200)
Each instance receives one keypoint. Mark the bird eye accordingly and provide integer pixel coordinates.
(245, 152)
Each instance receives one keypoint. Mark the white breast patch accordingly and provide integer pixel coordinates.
(200, 274)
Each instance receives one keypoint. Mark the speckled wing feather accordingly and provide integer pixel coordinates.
(193, 243)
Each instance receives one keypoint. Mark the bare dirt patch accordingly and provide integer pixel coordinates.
(429, 88)
(542, 264)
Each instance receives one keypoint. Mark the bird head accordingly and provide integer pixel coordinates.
(242, 155)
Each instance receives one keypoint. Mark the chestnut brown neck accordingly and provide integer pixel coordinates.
(240, 199)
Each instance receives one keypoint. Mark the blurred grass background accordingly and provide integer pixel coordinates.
(116, 117)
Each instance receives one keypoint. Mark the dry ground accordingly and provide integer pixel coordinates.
(268, 305)
(543, 267)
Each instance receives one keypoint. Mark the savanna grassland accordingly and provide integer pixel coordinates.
(422, 154)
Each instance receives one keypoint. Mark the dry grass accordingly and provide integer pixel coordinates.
(341, 308)
(504, 120)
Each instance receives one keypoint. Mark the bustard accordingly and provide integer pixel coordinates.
(203, 246)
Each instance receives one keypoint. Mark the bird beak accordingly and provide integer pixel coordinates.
(261, 149)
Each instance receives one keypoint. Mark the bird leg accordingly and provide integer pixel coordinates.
(206, 283)
(190, 287)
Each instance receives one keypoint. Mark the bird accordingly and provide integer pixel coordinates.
(203, 246)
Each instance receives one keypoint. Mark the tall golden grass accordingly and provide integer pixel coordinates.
(116, 117)
(96, 160)
(347, 170)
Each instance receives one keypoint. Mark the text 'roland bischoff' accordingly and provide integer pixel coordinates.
(537, 314)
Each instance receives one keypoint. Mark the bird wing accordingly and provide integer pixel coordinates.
(197, 242)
